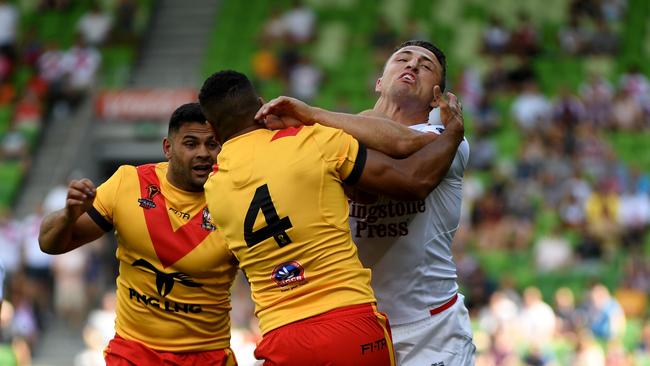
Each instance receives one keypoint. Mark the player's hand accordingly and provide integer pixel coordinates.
(451, 110)
(283, 112)
(81, 194)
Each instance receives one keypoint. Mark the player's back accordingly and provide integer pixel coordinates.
(278, 199)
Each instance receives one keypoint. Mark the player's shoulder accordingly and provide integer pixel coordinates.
(324, 133)
(463, 148)
(434, 128)
(128, 171)
(123, 170)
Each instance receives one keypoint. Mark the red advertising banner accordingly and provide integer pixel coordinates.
(142, 104)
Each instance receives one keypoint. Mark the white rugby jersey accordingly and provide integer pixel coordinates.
(408, 244)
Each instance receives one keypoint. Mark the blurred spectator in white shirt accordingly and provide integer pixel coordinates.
(304, 80)
(70, 286)
(99, 330)
(94, 26)
(531, 108)
(537, 319)
(8, 27)
(38, 265)
(81, 62)
(552, 252)
(9, 242)
(496, 37)
(299, 23)
(499, 315)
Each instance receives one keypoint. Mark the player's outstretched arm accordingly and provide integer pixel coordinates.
(416, 176)
(69, 228)
(376, 132)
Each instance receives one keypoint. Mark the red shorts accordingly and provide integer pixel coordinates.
(353, 335)
(123, 352)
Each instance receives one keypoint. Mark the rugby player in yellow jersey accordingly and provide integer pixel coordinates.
(173, 297)
(277, 196)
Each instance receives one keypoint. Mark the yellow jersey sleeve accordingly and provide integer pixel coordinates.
(344, 151)
(103, 208)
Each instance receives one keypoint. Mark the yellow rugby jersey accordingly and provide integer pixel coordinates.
(173, 290)
(277, 198)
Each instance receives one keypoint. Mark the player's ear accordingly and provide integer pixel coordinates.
(378, 85)
(435, 101)
(167, 148)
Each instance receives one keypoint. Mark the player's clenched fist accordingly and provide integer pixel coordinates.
(81, 194)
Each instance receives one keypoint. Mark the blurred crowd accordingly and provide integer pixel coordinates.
(45, 76)
(41, 289)
(563, 201)
(281, 56)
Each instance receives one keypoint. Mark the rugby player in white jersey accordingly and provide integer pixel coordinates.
(406, 244)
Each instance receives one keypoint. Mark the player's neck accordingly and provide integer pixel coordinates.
(228, 135)
(405, 112)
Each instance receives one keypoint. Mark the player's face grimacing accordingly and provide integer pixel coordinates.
(411, 70)
(191, 152)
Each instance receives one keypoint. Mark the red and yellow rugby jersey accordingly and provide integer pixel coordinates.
(173, 289)
(277, 198)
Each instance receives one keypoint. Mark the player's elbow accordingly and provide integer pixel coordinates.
(417, 189)
(422, 190)
(423, 186)
(47, 246)
(401, 149)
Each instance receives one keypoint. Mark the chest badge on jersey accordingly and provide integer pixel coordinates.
(288, 273)
(206, 219)
(152, 191)
(165, 281)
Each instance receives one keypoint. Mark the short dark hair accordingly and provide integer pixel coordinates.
(228, 97)
(186, 113)
(436, 51)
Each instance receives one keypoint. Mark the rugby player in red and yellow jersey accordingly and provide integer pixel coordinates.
(278, 198)
(175, 270)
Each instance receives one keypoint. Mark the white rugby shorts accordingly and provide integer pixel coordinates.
(443, 338)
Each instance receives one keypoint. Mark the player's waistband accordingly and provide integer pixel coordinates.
(123, 349)
(345, 311)
(445, 306)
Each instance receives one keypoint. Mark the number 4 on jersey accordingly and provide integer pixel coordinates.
(275, 226)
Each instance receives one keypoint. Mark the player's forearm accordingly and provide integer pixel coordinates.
(429, 165)
(56, 235)
(381, 134)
